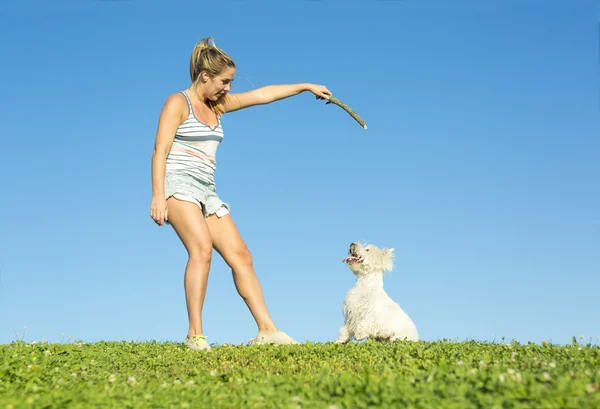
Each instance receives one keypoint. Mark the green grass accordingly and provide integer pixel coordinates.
(443, 374)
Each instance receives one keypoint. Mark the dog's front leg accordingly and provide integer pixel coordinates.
(344, 335)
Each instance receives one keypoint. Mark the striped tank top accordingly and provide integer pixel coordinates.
(194, 149)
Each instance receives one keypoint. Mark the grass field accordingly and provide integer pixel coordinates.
(440, 374)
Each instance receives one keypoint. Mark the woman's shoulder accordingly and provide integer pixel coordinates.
(176, 104)
(176, 99)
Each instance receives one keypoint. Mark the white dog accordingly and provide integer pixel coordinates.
(368, 311)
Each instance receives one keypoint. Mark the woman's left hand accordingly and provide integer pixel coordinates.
(320, 91)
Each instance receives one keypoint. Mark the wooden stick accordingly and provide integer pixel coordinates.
(333, 100)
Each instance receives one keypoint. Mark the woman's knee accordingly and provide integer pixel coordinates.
(200, 252)
(243, 256)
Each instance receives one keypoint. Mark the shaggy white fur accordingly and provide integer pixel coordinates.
(368, 311)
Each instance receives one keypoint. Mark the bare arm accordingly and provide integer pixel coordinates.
(272, 93)
(170, 119)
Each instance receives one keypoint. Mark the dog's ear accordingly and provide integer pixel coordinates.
(388, 259)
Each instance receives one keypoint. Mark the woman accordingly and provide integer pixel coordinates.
(183, 186)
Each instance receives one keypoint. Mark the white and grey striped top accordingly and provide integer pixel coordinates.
(194, 149)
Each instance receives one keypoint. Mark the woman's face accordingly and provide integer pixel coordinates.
(220, 85)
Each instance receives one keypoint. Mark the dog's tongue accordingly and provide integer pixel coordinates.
(347, 259)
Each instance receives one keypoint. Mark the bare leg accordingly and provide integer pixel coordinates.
(229, 244)
(188, 222)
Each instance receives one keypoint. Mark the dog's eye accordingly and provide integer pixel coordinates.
(367, 249)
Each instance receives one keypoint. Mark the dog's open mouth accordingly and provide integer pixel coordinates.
(352, 258)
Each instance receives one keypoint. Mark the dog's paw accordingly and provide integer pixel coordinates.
(361, 337)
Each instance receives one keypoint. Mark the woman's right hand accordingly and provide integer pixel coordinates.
(158, 210)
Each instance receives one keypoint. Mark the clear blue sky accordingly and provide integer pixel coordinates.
(480, 165)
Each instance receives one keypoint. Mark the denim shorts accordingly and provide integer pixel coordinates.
(190, 189)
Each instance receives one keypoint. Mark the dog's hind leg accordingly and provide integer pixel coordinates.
(344, 335)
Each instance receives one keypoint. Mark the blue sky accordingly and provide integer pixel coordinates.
(479, 166)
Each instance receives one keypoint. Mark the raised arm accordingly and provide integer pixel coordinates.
(272, 93)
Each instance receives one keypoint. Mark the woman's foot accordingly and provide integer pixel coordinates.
(277, 338)
(197, 342)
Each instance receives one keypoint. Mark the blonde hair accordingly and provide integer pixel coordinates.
(212, 60)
